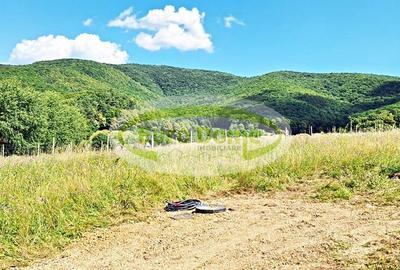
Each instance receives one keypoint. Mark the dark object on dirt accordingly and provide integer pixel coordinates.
(182, 205)
(210, 208)
(395, 176)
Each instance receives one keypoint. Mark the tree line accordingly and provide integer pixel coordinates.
(29, 118)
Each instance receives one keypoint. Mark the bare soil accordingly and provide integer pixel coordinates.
(259, 232)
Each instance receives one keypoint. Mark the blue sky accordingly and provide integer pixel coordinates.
(270, 35)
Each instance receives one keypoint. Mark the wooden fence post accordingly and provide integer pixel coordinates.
(2, 150)
(53, 148)
(108, 142)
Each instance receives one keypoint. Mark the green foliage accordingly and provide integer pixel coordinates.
(182, 123)
(172, 81)
(333, 190)
(102, 107)
(99, 139)
(22, 116)
(66, 123)
(383, 118)
(28, 118)
(72, 76)
(102, 92)
(321, 100)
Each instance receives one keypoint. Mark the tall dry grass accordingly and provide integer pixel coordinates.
(47, 201)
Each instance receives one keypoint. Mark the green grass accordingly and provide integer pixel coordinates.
(48, 201)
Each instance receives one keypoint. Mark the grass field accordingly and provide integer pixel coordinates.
(48, 201)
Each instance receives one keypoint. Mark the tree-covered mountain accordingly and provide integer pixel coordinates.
(173, 81)
(70, 99)
(323, 100)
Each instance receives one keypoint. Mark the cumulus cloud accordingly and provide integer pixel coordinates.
(88, 22)
(167, 28)
(230, 20)
(84, 46)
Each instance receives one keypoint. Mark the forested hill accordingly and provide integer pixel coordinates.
(327, 100)
(173, 81)
(70, 99)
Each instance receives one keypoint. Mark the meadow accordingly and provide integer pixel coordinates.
(48, 201)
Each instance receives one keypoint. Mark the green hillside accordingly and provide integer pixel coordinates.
(72, 76)
(71, 99)
(173, 81)
(322, 100)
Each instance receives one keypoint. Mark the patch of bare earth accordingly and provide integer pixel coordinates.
(260, 232)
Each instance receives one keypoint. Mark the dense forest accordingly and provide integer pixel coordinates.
(71, 99)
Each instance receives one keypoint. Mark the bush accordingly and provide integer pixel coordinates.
(99, 140)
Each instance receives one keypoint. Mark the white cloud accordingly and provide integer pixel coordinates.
(84, 46)
(230, 20)
(125, 20)
(88, 22)
(181, 29)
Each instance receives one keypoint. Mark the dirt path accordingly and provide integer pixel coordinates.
(260, 233)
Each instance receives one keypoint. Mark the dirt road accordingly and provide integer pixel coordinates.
(260, 232)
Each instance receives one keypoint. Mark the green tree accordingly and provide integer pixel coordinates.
(65, 123)
(23, 118)
(29, 118)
